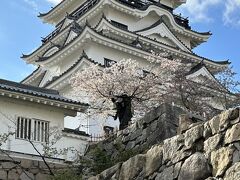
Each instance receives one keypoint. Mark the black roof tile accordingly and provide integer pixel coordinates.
(35, 91)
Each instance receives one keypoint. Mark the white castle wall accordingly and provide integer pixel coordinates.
(10, 109)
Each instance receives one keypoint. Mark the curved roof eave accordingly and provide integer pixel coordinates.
(27, 57)
(27, 90)
(82, 57)
(49, 12)
(30, 75)
(44, 16)
(146, 8)
(225, 62)
(222, 64)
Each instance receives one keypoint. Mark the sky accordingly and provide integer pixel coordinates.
(21, 31)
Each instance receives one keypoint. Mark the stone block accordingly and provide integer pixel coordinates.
(195, 168)
(153, 159)
(222, 121)
(233, 173)
(132, 167)
(167, 174)
(192, 135)
(153, 126)
(207, 131)
(232, 134)
(171, 146)
(135, 134)
(176, 170)
(220, 160)
(130, 145)
(108, 173)
(125, 139)
(211, 144)
(214, 124)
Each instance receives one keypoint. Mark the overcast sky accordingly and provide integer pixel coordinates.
(21, 31)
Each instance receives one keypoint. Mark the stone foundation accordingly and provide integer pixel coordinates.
(208, 150)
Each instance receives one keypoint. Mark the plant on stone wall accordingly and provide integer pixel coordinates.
(66, 175)
(101, 160)
(122, 153)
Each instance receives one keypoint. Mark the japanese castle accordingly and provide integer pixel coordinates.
(102, 31)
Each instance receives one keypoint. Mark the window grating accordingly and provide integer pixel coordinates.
(32, 129)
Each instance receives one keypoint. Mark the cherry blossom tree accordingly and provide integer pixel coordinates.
(127, 86)
(228, 79)
(126, 89)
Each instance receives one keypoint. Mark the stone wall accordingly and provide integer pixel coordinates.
(209, 150)
(153, 128)
(16, 166)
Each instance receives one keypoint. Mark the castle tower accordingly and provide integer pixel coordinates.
(101, 31)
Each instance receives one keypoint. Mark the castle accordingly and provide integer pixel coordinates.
(90, 31)
(102, 31)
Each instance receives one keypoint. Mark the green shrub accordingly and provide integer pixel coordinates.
(66, 175)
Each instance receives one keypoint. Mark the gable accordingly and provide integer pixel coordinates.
(64, 78)
(202, 74)
(66, 22)
(163, 31)
(70, 37)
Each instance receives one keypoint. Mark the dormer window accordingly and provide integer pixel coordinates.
(108, 62)
(120, 25)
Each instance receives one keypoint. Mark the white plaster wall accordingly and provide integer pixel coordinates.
(76, 142)
(164, 40)
(10, 109)
(132, 22)
(92, 126)
(98, 52)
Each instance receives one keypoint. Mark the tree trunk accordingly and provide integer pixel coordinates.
(124, 110)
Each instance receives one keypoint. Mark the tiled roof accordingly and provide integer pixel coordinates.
(31, 74)
(140, 48)
(35, 91)
(44, 14)
(76, 132)
(76, 15)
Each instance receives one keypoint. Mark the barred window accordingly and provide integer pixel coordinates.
(32, 129)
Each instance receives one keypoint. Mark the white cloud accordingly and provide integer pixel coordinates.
(54, 2)
(32, 4)
(231, 15)
(197, 10)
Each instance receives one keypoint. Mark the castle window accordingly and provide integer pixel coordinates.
(108, 62)
(32, 129)
(120, 25)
